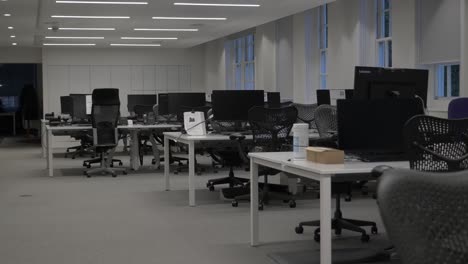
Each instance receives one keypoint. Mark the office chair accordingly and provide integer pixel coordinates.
(436, 144)
(425, 215)
(306, 113)
(458, 108)
(270, 128)
(327, 124)
(105, 115)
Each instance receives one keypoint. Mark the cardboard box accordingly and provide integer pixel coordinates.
(325, 155)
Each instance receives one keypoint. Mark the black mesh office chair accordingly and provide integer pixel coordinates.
(436, 144)
(104, 118)
(327, 124)
(271, 128)
(425, 215)
(306, 113)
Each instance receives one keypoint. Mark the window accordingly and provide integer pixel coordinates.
(323, 45)
(384, 33)
(447, 80)
(243, 68)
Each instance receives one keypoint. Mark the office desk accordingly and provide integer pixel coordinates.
(323, 173)
(133, 130)
(190, 141)
(13, 118)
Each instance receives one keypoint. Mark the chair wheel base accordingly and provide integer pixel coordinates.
(292, 204)
(299, 230)
(235, 203)
(365, 238)
(374, 230)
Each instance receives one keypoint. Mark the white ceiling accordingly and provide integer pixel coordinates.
(31, 18)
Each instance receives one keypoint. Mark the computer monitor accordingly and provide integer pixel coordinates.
(379, 83)
(274, 99)
(80, 106)
(235, 105)
(323, 97)
(140, 99)
(375, 125)
(177, 102)
(163, 104)
(66, 105)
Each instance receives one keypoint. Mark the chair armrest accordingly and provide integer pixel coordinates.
(239, 139)
(439, 156)
(236, 136)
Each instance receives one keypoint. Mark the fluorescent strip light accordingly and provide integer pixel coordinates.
(148, 38)
(68, 44)
(211, 4)
(136, 45)
(10, 27)
(91, 17)
(7, 15)
(98, 29)
(191, 18)
(102, 2)
(12, 36)
(167, 29)
(14, 43)
(74, 37)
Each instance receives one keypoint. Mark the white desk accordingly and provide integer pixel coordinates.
(323, 173)
(134, 151)
(190, 141)
(13, 118)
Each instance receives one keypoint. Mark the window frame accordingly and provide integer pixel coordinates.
(440, 81)
(244, 62)
(382, 36)
(323, 46)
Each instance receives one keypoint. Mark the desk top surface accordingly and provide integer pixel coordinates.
(133, 127)
(285, 159)
(213, 136)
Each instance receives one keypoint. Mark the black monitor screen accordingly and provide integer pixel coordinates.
(323, 97)
(375, 125)
(274, 99)
(66, 105)
(163, 104)
(235, 105)
(140, 99)
(177, 102)
(79, 106)
(380, 83)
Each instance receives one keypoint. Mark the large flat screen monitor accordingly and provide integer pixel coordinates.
(177, 102)
(380, 83)
(66, 105)
(140, 99)
(235, 105)
(82, 104)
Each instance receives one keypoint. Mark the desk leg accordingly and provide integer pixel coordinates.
(167, 163)
(134, 150)
(44, 140)
(191, 173)
(154, 147)
(50, 162)
(254, 227)
(325, 221)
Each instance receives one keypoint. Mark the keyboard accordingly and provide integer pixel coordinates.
(380, 156)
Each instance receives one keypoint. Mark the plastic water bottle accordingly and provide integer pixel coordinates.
(300, 140)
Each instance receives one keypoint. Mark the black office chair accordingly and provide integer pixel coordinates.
(327, 124)
(425, 215)
(105, 115)
(436, 144)
(271, 128)
(306, 113)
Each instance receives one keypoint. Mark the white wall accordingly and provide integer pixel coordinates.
(20, 55)
(133, 71)
(266, 57)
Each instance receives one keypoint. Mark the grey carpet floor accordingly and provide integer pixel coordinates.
(69, 219)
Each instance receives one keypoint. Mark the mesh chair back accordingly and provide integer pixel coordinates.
(458, 108)
(436, 144)
(306, 113)
(326, 120)
(271, 126)
(425, 215)
(105, 115)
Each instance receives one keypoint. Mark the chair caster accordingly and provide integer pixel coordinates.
(348, 198)
(111, 165)
(120, 163)
(125, 172)
(374, 230)
(87, 175)
(85, 164)
(317, 238)
(365, 238)
(73, 157)
(211, 188)
(235, 203)
(114, 175)
(260, 207)
(299, 230)
(292, 204)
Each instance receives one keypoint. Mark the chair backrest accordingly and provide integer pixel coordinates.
(105, 116)
(436, 144)
(425, 215)
(326, 120)
(458, 108)
(306, 113)
(271, 126)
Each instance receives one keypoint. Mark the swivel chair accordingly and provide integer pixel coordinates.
(326, 119)
(425, 215)
(104, 116)
(271, 128)
(458, 108)
(306, 113)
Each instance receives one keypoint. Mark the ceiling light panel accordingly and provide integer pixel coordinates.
(57, 37)
(214, 4)
(190, 18)
(135, 45)
(86, 29)
(167, 29)
(92, 17)
(148, 38)
(102, 2)
(69, 44)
